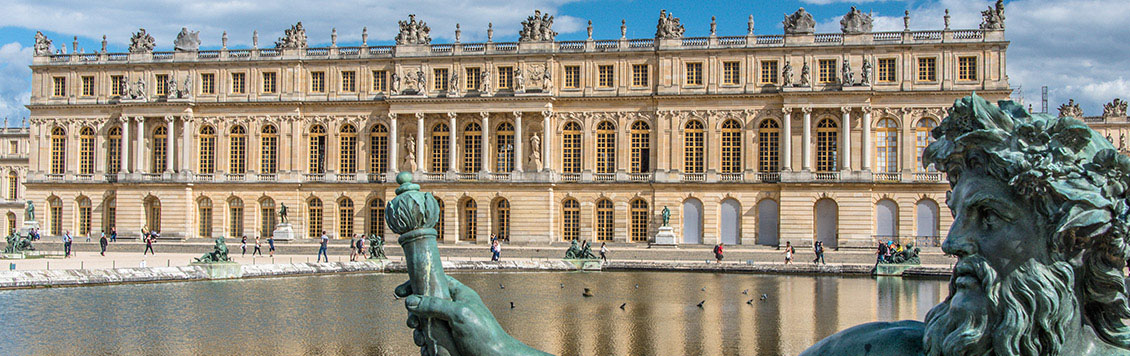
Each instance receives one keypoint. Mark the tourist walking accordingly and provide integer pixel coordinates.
(258, 247)
(113, 235)
(718, 252)
(322, 248)
(361, 245)
(102, 242)
(818, 249)
(789, 252)
(271, 245)
(603, 252)
(67, 244)
(352, 248)
(243, 245)
(148, 245)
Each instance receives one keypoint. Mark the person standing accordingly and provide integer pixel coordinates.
(494, 253)
(818, 249)
(243, 245)
(102, 242)
(271, 245)
(603, 252)
(881, 253)
(322, 248)
(789, 252)
(67, 244)
(148, 245)
(718, 252)
(258, 247)
(113, 235)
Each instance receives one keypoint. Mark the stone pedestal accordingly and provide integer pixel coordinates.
(221, 270)
(283, 232)
(28, 226)
(585, 264)
(665, 237)
(892, 269)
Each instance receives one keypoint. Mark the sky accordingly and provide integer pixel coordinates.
(1077, 48)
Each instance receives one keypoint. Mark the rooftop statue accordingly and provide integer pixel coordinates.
(42, 44)
(219, 253)
(855, 22)
(668, 26)
(413, 32)
(537, 28)
(187, 41)
(799, 23)
(1041, 211)
(1070, 109)
(141, 42)
(1116, 108)
(993, 18)
(295, 37)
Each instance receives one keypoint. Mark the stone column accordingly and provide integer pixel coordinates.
(420, 142)
(806, 141)
(547, 133)
(865, 160)
(185, 143)
(393, 163)
(123, 154)
(140, 160)
(845, 139)
(451, 152)
(171, 123)
(787, 140)
(519, 159)
(485, 146)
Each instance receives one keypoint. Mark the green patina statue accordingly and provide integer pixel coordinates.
(18, 244)
(376, 247)
(574, 251)
(218, 254)
(666, 216)
(909, 256)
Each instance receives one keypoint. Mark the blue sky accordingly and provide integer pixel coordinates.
(1076, 47)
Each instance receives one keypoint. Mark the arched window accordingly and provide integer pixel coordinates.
(207, 150)
(114, 150)
(639, 219)
(267, 216)
(13, 185)
(86, 151)
(604, 226)
(55, 206)
(317, 154)
(731, 147)
(237, 150)
(204, 208)
(692, 221)
(11, 223)
(693, 136)
(314, 218)
(111, 210)
(641, 147)
(345, 218)
(502, 220)
(605, 147)
(827, 222)
(348, 145)
(470, 220)
(378, 149)
(439, 224)
(827, 147)
(472, 148)
(571, 148)
(377, 217)
(768, 222)
(58, 150)
(440, 147)
(160, 149)
(153, 214)
(886, 146)
(926, 223)
(768, 146)
(84, 210)
(923, 139)
(570, 220)
(730, 227)
(269, 150)
(886, 220)
(235, 217)
(504, 148)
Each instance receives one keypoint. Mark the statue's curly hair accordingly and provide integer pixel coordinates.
(1070, 174)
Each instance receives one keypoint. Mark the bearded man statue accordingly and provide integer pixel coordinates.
(1040, 210)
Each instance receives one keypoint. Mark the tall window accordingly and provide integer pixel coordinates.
(473, 80)
(472, 150)
(377, 217)
(572, 77)
(768, 146)
(439, 223)
(153, 214)
(58, 150)
(56, 209)
(204, 208)
(207, 84)
(967, 68)
(88, 86)
(731, 147)
(314, 218)
(348, 81)
(378, 149)
(769, 72)
(606, 76)
(317, 152)
(570, 220)
(886, 70)
(440, 147)
(160, 149)
(504, 145)
(693, 147)
(11, 223)
(694, 73)
(826, 145)
(641, 147)
(13, 185)
(207, 150)
(922, 139)
(732, 73)
(605, 148)
(268, 150)
(117, 85)
(162, 85)
(60, 87)
(235, 217)
(827, 71)
(927, 69)
(348, 146)
(267, 216)
(639, 75)
(239, 83)
(604, 220)
(439, 79)
(502, 219)
(84, 216)
(237, 150)
(114, 151)
(639, 217)
(470, 220)
(886, 145)
(270, 83)
(318, 85)
(380, 80)
(505, 78)
(111, 214)
(571, 148)
(86, 151)
(345, 218)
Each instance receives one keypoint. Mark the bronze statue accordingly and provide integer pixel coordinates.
(666, 216)
(282, 214)
(376, 247)
(29, 211)
(219, 253)
(574, 251)
(18, 244)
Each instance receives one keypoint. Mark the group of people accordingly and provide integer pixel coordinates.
(258, 246)
(358, 243)
(887, 250)
(817, 250)
(495, 248)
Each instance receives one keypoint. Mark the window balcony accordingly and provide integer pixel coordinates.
(55, 177)
(888, 177)
(347, 177)
(604, 177)
(929, 176)
(235, 177)
(769, 177)
(376, 177)
(434, 176)
(156, 176)
(570, 177)
(199, 177)
(731, 177)
(84, 177)
(639, 177)
(827, 176)
(694, 177)
(268, 177)
(501, 177)
(314, 177)
(464, 176)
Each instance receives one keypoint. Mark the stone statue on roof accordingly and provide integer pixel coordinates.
(668, 26)
(855, 22)
(413, 32)
(187, 41)
(1070, 109)
(537, 28)
(993, 18)
(799, 23)
(294, 37)
(141, 42)
(42, 44)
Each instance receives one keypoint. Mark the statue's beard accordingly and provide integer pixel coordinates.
(1024, 313)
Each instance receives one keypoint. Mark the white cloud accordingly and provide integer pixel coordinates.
(15, 81)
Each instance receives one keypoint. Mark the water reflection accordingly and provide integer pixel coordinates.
(356, 314)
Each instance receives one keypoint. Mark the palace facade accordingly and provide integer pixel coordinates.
(751, 139)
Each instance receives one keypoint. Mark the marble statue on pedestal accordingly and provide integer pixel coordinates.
(865, 73)
(410, 154)
(666, 216)
(787, 75)
(535, 153)
(848, 77)
(805, 75)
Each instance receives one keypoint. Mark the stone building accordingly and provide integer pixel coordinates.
(13, 166)
(749, 139)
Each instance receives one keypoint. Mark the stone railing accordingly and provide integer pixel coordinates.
(730, 177)
(570, 177)
(268, 177)
(769, 177)
(694, 177)
(639, 177)
(235, 177)
(604, 177)
(376, 177)
(827, 176)
(314, 177)
(887, 177)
